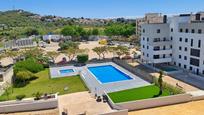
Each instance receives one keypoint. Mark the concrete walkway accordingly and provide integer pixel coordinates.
(168, 79)
(189, 78)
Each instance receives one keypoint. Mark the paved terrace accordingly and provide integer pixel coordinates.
(145, 71)
(94, 84)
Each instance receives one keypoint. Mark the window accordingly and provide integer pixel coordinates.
(192, 31)
(179, 64)
(164, 39)
(180, 48)
(170, 55)
(164, 47)
(171, 46)
(191, 42)
(186, 30)
(186, 40)
(191, 68)
(143, 30)
(147, 47)
(158, 30)
(156, 48)
(156, 56)
(199, 31)
(180, 39)
(143, 53)
(164, 55)
(181, 30)
(143, 39)
(172, 30)
(147, 55)
(143, 46)
(199, 43)
(195, 52)
(185, 57)
(174, 63)
(147, 39)
(179, 56)
(171, 38)
(186, 49)
(194, 62)
(185, 66)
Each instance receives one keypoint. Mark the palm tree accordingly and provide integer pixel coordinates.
(160, 82)
(12, 54)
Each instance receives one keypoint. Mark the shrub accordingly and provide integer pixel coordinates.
(83, 58)
(37, 95)
(172, 89)
(22, 77)
(29, 64)
(20, 97)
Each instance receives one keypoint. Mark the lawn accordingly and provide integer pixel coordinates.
(44, 84)
(136, 94)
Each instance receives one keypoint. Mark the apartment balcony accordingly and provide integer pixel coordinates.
(162, 60)
(158, 52)
(160, 42)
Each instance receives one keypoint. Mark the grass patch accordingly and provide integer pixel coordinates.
(44, 84)
(136, 94)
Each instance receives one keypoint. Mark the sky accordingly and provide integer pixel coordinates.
(103, 8)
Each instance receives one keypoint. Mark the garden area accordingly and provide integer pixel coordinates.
(157, 89)
(43, 84)
(32, 79)
(146, 92)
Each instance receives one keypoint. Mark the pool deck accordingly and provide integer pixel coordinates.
(94, 85)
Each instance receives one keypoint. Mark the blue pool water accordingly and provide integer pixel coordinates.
(66, 71)
(108, 73)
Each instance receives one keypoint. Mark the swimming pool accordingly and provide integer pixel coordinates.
(108, 73)
(168, 69)
(66, 71)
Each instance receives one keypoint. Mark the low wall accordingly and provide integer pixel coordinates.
(28, 105)
(119, 112)
(133, 70)
(153, 102)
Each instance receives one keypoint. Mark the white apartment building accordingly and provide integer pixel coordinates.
(149, 18)
(179, 40)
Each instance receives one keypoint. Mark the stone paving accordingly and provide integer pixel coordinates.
(82, 102)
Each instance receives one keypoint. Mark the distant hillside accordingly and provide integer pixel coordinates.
(15, 23)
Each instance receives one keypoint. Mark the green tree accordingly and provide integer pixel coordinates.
(121, 50)
(67, 44)
(119, 30)
(32, 31)
(82, 58)
(160, 82)
(24, 76)
(95, 31)
(100, 51)
(53, 55)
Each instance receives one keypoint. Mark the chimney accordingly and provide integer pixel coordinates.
(165, 19)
